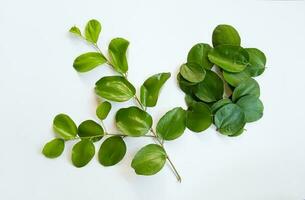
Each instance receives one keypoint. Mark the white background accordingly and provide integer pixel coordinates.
(37, 81)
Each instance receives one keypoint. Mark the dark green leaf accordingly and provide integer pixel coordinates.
(185, 85)
(217, 105)
(235, 78)
(190, 100)
(64, 126)
(92, 30)
(198, 117)
(199, 55)
(149, 160)
(103, 110)
(88, 61)
(225, 34)
(117, 52)
(82, 153)
(90, 128)
(257, 62)
(238, 133)
(112, 151)
(75, 30)
(192, 72)
(54, 148)
(249, 86)
(252, 107)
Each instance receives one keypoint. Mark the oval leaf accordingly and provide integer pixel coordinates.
(133, 121)
(149, 160)
(186, 86)
(54, 148)
(172, 124)
(115, 88)
(112, 151)
(249, 86)
(82, 153)
(216, 106)
(257, 62)
(225, 34)
(198, 117)
(252, 107)
(92, 31)
(75, 30)
(192, 72)
(151, 88)
(103, 110)
(199, 55)
(64, 126)
(235, 78)
(117, 52)
(88, 61)
(90, 128)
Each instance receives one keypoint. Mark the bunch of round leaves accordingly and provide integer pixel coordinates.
(219, 85)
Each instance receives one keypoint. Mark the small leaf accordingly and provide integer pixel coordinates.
(149, 160)
(199, 55)
(211, 88)
(54, 148)
(64, 126)
(151, 88)
(252, 107)
(90, 128)
(249, 86)
(198, 117)
(92, 31)
(192, 72)
(235, 78)
(115, 88)
(103, 110)
(82, 153)
(185, 85)
(225, 34)
(75, 30)
(257, 62)
(172, 124)
(88, 61)
(112, 151)
(219, 104)
(117, 51)
(229, 58)
(133, 121)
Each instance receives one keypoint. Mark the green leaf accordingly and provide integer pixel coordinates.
(88, 61)
(211, 88)
(198, 117)
(235, 78)
(249, 86)
(112, 151)
(238, 133)
(90, 128)
(115, 88)
(64, 126)
(151, 88)
(82, 153)
(172, 124)
(103, 110)
(186, 86)
(54, 148)
(190, 100)
(75, 30)
(219, 104)
(149, 160)
(229, 119)
(257, 62)
(225, 34)
(117, 52)
(192, 72)
(229, 58)
(199, 55)
(133, 121)
(252, 107)
(92, 31)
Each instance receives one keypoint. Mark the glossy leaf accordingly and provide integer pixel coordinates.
(235, 78)
(64, 126)
(54, 148)
(115, 88)
(249, 86)
(229, 119)
(199, 55)
(92, 31)
(172, 124)
(75, 30)
(133, 121)
(117, 51)
(103, 110)
(257, 62)
(217, 105)
(252, 107)
(82, 153)
(225, 34)
(88, 61)
(211, 88)
(229, 58)
(112, 151)
(149, 160)
(151, 88)
(198, 117)
(192, 72)
(90, 128)
(185, 85)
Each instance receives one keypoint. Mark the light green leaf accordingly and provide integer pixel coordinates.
(198, 117)
(172, 124)
(151, 88)
(115, 88)
(90, 128)
(249, 86)
(217, 105)
(112, 151)
(82, 153)
(54, 148)
(92, 31)
(225, 34)
(75, 30)
(88, 61)
(149, 160)
(117, 51)
(257, 62)
(252, 107)
(133, 121)
(64, 126)
(192, 72)
(103, 110)
(199, 55)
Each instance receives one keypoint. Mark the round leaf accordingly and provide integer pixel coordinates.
(82, 153)
(199, 55)
(229, 119)
(103, 110)
(172, 124)
(133, 121)
(75, 30)
(115, 88)
(257, 62)
(112, 151)
(249, 86)
(117, 51)
(211, 88)
(252, 107)
(186, 86)
(229, 58)
(192, 72)
(149, 160)
(216, 106)
(198, 117)
(64, 126)
(54, 148)
(225, 34)
(235, 78)
(90, 128)
(92, 30)
(88, 61)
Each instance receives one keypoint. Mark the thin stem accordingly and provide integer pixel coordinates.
(110, 134)
(139, 102)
